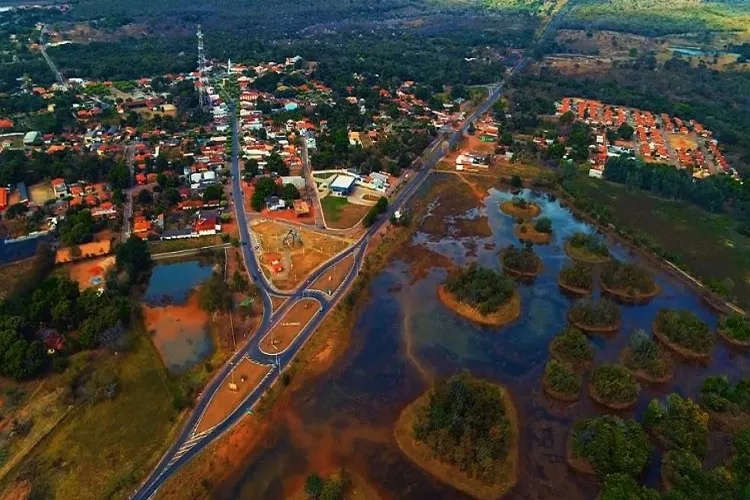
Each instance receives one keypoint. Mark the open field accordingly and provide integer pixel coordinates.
(247, 375)
(708, 244)
(340, 214)
(682, 142)
(13, 275)
(103, 450)
(299, 255)
(286, 330)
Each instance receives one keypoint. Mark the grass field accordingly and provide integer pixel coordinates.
(709, 245)
(340, 214)
(103, 450)
(13, 274)
(166, 246)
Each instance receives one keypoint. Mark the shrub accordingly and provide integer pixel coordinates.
(595, 313)
(572, 346)
(577, 275)
(562, 378)
(485, 289)
(642, 353)
(614, 384)
(627, 277)
(590, 243)
(543, 225)
(679, 422)
(719, 395)
(611, 445)
(520, 259)
(735, 326)
(685, 329)
(519, 202)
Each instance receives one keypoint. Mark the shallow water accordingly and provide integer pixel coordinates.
(180, 327)
(403, 340)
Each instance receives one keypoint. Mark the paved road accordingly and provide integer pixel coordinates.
(189, 443)
(127, 211)
(50, 63)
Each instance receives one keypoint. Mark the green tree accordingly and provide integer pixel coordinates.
(134, 258)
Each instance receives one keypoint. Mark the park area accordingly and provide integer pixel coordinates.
(339, 213)
(288, 328)
(290, 254)
(88, 273)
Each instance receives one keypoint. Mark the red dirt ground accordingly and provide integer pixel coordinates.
(226, 399)
(332, 278)
(287, 329)
(171, 322)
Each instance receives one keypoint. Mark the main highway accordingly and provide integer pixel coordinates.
(189, 442)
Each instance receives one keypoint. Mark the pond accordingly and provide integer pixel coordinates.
(173, 282)
(179, 326)
(404, 339)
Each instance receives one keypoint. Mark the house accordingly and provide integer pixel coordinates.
(23, 193)
(32, 138)
(3, 199)
(53, 340)
(207, 223)
(140, 179)
(274, 203)
(342, 185)
(141, 226)
(105, 210)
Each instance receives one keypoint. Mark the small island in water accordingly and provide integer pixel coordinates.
(474, 451)
(485, 296)
(520, 208)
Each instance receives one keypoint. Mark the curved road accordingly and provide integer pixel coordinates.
(188, 442)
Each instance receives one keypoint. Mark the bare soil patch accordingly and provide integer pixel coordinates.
(91, 272)
(247, 376)
(287, 328)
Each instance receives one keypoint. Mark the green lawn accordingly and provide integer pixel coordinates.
(708, 244)
(332, 207)
(104, 450)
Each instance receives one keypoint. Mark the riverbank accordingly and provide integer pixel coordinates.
(506, 313)
(604, 329)
(424, 457)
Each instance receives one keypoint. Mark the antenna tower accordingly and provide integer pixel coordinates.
(205, 100)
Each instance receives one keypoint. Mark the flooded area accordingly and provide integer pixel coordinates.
(404, 338)
(178, 326)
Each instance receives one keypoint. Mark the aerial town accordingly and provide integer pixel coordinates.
(246, 255)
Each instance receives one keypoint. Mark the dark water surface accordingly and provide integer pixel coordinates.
(404, 338)
(172, 283)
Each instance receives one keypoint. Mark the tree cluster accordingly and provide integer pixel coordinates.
(684, 328)
(614, 384)
(572, 346)
(379, 208)
(611, 445)
(523, 260)
(722, 396)
(627, 277)
(577, 275)
(484, 289)
(466, 424)
(562, 378)
(735, 326)
(590, 243)
(679, 423)
(595, 313)
(643, 353)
